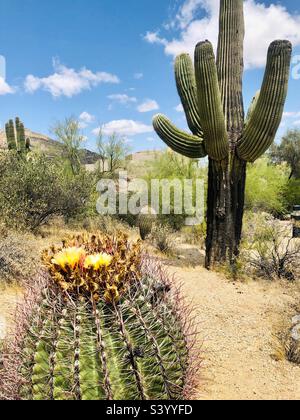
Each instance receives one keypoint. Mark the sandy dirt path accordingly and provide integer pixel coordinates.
(9, 296)
(237, 323)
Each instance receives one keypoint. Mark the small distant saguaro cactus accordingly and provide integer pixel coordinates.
(105, 324)
(146, 220)
(16, 138)
(211, 94)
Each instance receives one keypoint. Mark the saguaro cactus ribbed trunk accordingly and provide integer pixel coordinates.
(212, 98)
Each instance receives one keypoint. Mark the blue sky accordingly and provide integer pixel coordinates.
(110, 61)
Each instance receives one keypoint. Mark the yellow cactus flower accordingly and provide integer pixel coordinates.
(97, 261)
(69, 257)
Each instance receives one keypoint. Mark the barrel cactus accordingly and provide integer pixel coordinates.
(211, 95)
(16, 138)
(146, 221)
(104, 323)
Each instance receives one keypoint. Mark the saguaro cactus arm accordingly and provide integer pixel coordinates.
(10, 135)
(209, 102)
(230, 64)
(178, 140)
(21, 137)
(187, 90)
(265, 119)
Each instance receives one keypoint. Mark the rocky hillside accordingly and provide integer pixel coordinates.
(50, 147)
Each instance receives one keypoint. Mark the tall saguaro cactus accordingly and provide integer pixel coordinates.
(16, 138)
(212, 98)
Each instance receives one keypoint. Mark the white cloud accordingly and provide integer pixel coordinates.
(187, 12)
(150, 139)
(124, 128)
(86, 117)
(148, 106)
(292, 114)
(122, 99)
(179, 108)
(264, 24)
(154, 38)
(138, 76)
(82, 125)
(5, 89)
(296, 122)
(67, 81)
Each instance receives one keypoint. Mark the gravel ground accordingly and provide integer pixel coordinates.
(238, 324)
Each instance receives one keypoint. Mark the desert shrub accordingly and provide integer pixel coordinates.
(266, 187)
(292, 194)
(162, 238)
(34, 190)
(106, 224)
(270, 250)
(288, 342)
(170, 166)
(195, 235)
(18, 256)
(293, 351)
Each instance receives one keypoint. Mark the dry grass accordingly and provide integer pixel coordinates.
(194, 235)
(285, 347)
(19, 256)
(162, 238)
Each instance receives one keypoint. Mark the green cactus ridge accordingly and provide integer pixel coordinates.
(211, 95)
(10, 135)
(80, 349)
(267, 113)
(178, 140)
(187, 89)
(16, 138)
(209, 102)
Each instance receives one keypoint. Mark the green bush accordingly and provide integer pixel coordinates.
(292, 194)
(35, 189)
(266, 187)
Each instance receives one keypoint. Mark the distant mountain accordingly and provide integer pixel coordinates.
(50, 147)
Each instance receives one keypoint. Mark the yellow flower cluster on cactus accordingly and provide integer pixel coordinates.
(101, 266)
(69, 257)
(97, 261)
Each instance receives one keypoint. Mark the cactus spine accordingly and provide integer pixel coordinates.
(16, 137)
(212, 98)
(78, 343)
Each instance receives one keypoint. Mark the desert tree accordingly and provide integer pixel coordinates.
(112, 151)
(288, 151)
(68, 133)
